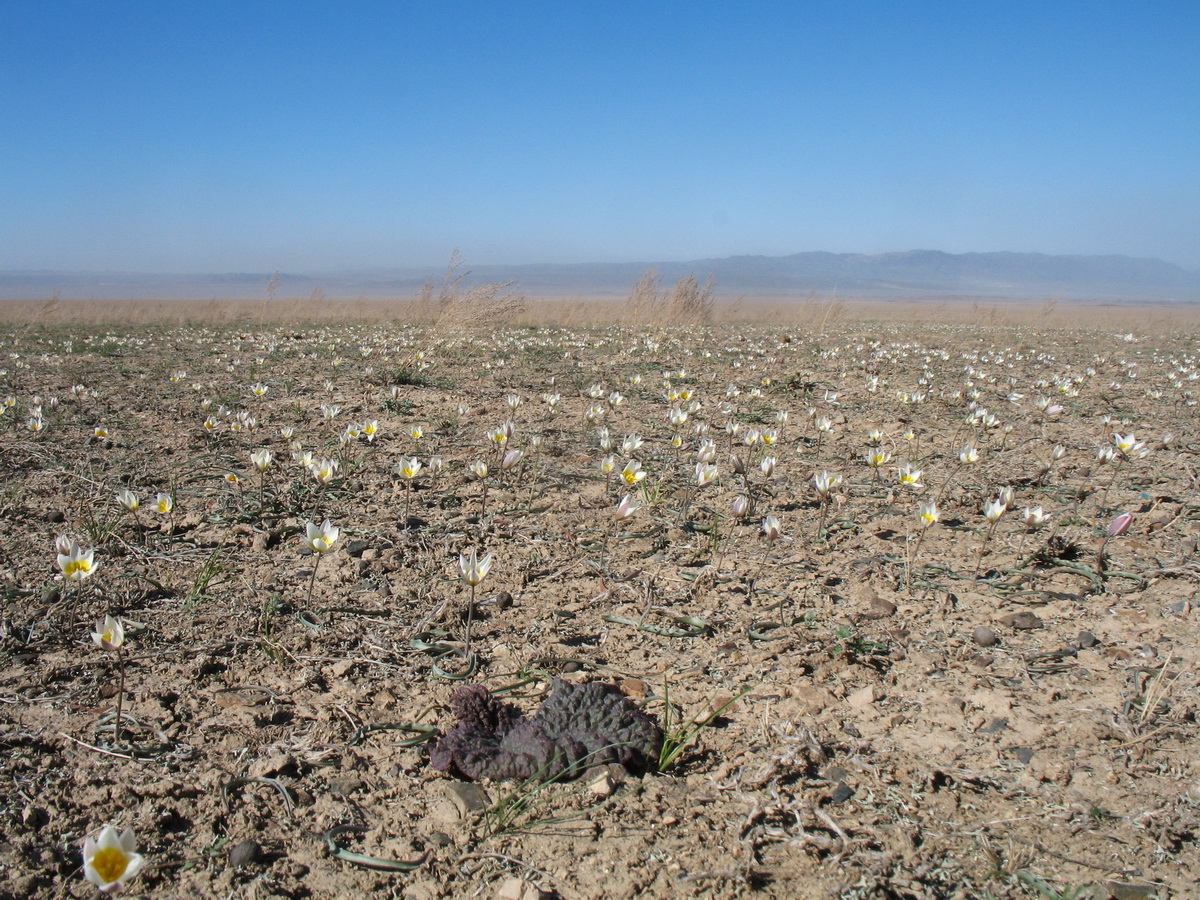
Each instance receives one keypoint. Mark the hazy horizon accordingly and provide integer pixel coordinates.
(229, 137)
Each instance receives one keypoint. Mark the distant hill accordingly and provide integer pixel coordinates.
(916, 273)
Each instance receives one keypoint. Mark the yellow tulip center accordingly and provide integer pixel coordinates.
(320, 545)
(76, 565)
(110, 863)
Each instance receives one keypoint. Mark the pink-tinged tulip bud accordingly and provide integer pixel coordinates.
(1120, 524)
(740, 506)
(627, 507)
(771, 528)
(511, 458)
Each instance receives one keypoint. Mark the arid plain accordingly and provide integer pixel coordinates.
(910, 587)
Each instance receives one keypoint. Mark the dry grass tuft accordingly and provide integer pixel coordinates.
(687, 303)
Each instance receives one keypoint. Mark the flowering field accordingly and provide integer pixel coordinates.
(888, 610)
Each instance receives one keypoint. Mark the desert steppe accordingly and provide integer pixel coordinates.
(910, 586)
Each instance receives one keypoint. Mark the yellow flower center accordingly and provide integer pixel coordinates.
(110, 863)
(76, 565)
(320, 545)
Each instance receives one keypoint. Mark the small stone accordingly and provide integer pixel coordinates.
(271, 766)
(346, 784)
(1024, 754)
(246, 853)
(520, 889)
(602, 787)
(1180, 608)
(1124, 890)
(635, 688)
(54, 516)
(863, 697)
(813, 697)
(994, 726)
(440, 839)
(34, 817)
(357, 548)
(841, 793)
(467, 798)
(1087, 639)
(879, 608)
(1022, 621)
(984, 636)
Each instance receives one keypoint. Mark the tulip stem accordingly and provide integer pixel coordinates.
(983, 547)
(120, 693)
(470, 617)
(313, 580)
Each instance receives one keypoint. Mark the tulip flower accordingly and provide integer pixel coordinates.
(111, 860)
(261, 459)
(76, 563)
(407, 468)
(632, 473)
(473, 571)
(324, 469)
(320, 540)
(993, 510)
(129, 500)
(1033, 516)
(910, 477)
(110, 635)
(1120, 524)
(772, 530)
(705, 474)
(164, 503)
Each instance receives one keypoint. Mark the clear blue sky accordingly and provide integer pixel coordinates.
(310, 137)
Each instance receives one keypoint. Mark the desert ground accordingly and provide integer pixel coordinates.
(910, 589)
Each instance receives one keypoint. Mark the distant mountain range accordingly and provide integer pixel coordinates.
(914, 274)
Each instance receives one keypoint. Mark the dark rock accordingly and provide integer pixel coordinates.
(841, 793)
(357, 548)
(879, 608)
(246, 853)
(1024, 754)
(1022, 621)
(1087, 639)
(55, 516)
(984, 636)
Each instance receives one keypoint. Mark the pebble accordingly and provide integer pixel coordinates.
(467, 798)
(1087, 639)
(880, 608)
(1022, 621)
(246, 853)
(841, 793)
(863, 697)
(984, 636)
(520, 889)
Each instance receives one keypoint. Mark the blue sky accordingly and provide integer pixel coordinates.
(310, 137)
